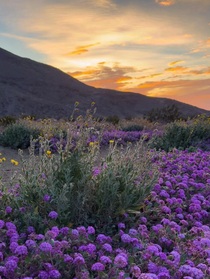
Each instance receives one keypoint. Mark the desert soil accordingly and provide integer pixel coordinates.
(7, 169)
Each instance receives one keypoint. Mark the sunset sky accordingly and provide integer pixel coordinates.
(158, 48)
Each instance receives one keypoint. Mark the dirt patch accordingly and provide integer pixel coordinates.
(7, 169)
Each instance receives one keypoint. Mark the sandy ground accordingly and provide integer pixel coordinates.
(7, 169)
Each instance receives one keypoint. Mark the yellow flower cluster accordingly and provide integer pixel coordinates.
(93, 143)
(14, 162)
(2, 159)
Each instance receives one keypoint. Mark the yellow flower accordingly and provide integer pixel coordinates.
(48, 152)
(111, 141)
(3, 159)
(14, 162)
(91, 143)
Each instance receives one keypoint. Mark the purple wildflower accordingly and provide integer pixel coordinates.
(125, 238)
(8, 209)
(64, 231)
(120, 261)
(90, 248)
(67, 258)
(97, 267)
(13, 246)
(96, 171)
(45, 247)
(121, 226)
(10, 225)
(30, 229)
(11, 265)
(163, 275)
(2, 223)
(90, 230)
(75, 233)
(133, 232)
(136, 271)
(30, 243)
(21, 250)
(197, 273)
(43, 275)
(105, 260)
(101, 238)
(79, 260)
(46, 198)
(81, 230)
(152, 267)
(107, 247)
(39, 237)
(53, 215)
(54, 274)
(11, 232)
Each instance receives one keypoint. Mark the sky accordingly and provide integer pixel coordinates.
(159, 48)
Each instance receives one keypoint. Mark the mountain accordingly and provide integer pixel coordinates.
(31, 88)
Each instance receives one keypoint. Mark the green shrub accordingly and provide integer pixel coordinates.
(114, 119)
(182, 135)
(18, 136)
(7, 120)
(133, 127)
(85, 187)
(166, 114)
(176, 135)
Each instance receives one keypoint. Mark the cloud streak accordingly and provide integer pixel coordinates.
(194, 92)
(165, 2)
(176, 62)
(81, 49)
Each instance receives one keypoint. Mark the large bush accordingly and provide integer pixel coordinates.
(183, 135)
(7, 120)
(166, 114)
(84, 186)
(18, 136)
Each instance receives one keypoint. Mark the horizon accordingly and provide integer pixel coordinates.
(93, 42)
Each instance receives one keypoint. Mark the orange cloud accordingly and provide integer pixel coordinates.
(202, 46)
(105, 76)
(188, 71)
(124, 79)
(104, 3)
(154, 75)
(149, 76)
(86, 73)
(205, 71)
(165, 2)
(105, 83)
(195, 92)
(176, 62)
(176, 69)
(152, 84)
(208, 42)
(81, 49)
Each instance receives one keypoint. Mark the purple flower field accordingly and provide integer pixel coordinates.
(169, 239)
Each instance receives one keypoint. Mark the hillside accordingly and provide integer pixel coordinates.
(31, 88)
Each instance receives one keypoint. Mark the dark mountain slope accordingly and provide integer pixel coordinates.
(31, 88)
